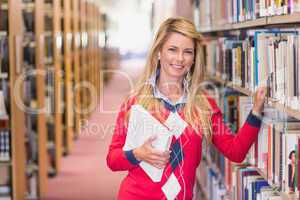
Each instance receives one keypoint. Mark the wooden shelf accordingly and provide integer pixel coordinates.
(285, 109)
(251, 23)
(235, 26)
(272, 102)
(48, 33)
(223, 27)
(284, 19)
(31, 44)
(240, 89)
(28, 6)
(5, 163)
(48, 6)
(48, 61)
(260, 22)
(49, 88)
(285, 196)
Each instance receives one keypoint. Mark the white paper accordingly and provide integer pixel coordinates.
(143, 125)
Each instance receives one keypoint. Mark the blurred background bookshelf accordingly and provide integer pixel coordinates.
(41, 67)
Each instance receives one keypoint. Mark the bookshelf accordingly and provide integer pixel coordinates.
(40, 89)
(89, 56)
(232, 25)
(83, 57)
(42, 39)
(57, 62)
(17, 176)
(33, 68)
(76, 64)
(68, 98)
(40, 35)
(52, 34)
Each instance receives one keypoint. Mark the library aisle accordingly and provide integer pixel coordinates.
(84, 174)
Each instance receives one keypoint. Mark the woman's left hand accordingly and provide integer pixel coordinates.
(259, 99)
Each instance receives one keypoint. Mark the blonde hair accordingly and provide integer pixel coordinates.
(197, 106)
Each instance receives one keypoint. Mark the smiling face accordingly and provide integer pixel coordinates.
(176, 57)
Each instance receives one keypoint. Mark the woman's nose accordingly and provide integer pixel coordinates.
(179, 56)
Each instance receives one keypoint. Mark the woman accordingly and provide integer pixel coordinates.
(291, 171)
(170, 84)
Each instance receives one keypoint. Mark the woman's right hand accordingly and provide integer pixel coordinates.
(147, 153)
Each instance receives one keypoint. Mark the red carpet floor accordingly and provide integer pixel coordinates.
(84, 174)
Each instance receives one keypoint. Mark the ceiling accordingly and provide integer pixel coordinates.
(106, 5)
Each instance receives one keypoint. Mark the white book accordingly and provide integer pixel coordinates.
(142, 125)
(3, 111)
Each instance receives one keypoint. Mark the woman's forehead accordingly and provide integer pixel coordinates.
(179, 40)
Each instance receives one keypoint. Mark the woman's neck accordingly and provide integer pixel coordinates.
(171, 88)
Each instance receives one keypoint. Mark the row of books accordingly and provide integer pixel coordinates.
(49, 48)
(210, 181)
(263, 57)
(4, 59)
(5, 136)
(276, 148)
(5, 145)
(216, 13)
(5, 181)
(249, 184)
(3, 18)
(274, 158)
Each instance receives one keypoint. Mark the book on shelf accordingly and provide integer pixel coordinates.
(28, 20)
(4, 58)
(5, 182)
(3, 19)
(49, 47)
(3, 110)
(5, 145)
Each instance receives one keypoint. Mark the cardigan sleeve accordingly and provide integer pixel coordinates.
(234, 147)
(117, 159)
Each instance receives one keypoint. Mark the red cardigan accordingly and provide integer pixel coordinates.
(138, 186)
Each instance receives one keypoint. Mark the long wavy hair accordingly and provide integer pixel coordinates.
(197, 109)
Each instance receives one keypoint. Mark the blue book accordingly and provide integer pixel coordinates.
(244, 173)
(256, 186)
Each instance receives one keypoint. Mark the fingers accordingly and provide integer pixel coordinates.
(151, 139)
(157, 163)
(159, 158)
(156, 158)
(160, 153)
(262, 91)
